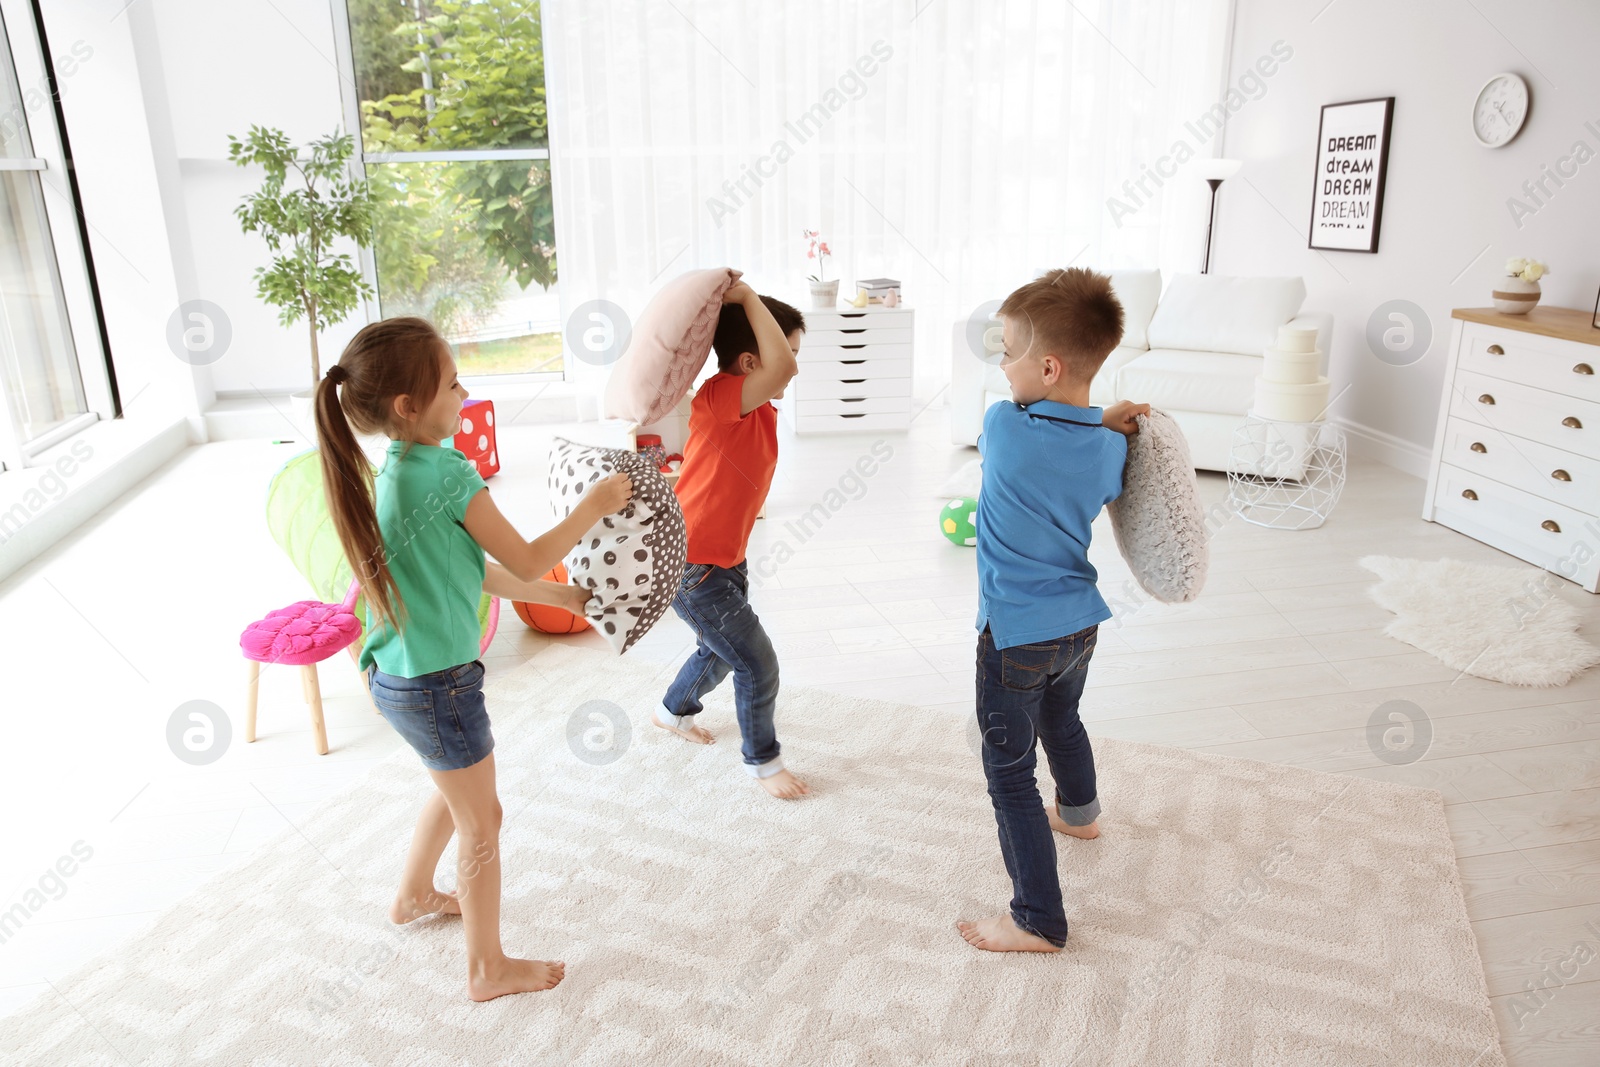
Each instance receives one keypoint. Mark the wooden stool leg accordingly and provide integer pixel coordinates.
(308, 674)
(251, 694)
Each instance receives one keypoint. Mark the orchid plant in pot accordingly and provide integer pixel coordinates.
(824, 294)
(1518, 291)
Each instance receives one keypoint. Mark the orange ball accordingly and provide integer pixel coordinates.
(551, 620)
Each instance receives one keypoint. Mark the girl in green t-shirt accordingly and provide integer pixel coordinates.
(416, 534)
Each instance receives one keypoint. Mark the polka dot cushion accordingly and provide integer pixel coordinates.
(476, 438)
(633, 560)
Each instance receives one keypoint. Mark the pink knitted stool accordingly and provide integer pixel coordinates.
(303, 634)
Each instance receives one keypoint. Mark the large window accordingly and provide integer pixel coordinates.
(449, 98)
(53, 380)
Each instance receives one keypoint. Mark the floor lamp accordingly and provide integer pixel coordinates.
(1215, 172)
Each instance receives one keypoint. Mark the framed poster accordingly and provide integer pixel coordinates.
(1352, 160)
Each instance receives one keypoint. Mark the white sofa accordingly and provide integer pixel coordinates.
(1193, 351)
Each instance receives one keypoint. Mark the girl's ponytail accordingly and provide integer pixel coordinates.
(384, 360)
(347, 483)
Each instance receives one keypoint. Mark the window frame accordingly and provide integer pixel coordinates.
(22, 58)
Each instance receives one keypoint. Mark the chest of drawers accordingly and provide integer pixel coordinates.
(1516, 457)
(855, 372)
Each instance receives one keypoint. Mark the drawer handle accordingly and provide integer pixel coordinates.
(1561, 476)
(1486, 399)
(851, 381)
(862, 415)
(852, 362)
(851, 399)
(1551, 525)
(1583, 368)
(1496, 350)
(860, 329)
(1469, 494)
(852, 346)
(1572, 420)
(1477, 446)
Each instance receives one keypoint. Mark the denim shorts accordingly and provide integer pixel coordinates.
(441, 715)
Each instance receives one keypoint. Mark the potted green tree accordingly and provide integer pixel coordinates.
(301, 224)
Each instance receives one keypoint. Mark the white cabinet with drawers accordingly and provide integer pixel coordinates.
(1516, 457)
(855, 372)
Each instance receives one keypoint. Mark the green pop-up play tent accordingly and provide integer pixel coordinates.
(298, 519)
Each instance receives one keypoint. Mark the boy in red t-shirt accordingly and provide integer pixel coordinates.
(727, 470)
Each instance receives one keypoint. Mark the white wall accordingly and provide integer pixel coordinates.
(115, 131)
(149, 114)
(1446, 229)
(230, 66)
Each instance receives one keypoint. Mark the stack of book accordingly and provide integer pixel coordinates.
(877, 288)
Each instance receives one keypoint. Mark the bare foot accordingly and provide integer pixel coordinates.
(1060, 826)
(784, 786)
(699, 734)
(998, 933)
(407, 907)
(514, 976)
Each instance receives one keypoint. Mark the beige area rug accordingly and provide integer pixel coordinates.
(1506, 624)
(1233, 912)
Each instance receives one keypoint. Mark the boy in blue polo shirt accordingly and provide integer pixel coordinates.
(1050, 463)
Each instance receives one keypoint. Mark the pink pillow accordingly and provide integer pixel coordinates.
(668, 347)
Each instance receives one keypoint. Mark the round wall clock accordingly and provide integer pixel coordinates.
(1500, 110)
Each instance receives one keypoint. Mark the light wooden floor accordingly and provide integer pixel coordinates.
(1280, 660)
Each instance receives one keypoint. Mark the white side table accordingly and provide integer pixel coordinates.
(1285, 475)
(855, 371)
(1516, 456)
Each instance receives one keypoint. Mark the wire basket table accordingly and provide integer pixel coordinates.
(1285, 475)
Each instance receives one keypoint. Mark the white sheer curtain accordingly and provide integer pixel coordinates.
(957, 146)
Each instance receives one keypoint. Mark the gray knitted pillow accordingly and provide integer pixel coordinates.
(1158, 521)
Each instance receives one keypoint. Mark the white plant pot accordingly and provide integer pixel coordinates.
(1513, 296)
(824, 294)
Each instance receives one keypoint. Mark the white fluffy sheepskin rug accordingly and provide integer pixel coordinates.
(1507, 624)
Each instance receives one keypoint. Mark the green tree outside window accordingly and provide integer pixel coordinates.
(455, 75)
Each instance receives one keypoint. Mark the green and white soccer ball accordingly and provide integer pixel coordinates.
(958, 521)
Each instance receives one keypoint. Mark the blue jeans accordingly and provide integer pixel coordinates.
(715, 602)
(1030, 693)
(441, 715)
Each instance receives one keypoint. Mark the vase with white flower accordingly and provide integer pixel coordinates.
(824, 294)
(1518, 291)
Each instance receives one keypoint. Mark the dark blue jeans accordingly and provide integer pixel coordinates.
(715, 602)
(1030, 693)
